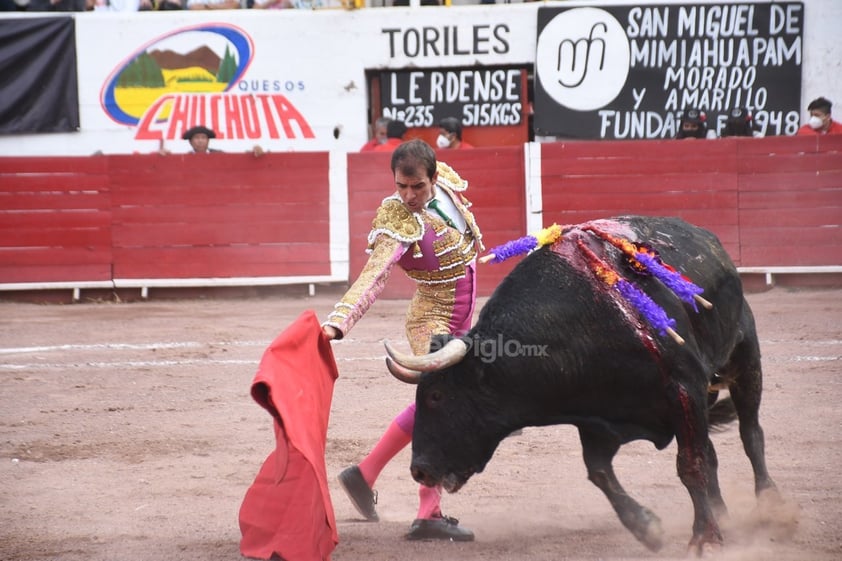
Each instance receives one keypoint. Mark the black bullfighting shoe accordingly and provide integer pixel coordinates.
(361, 495)
(444, 528)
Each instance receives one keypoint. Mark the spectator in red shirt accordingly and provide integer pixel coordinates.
(380, 135)
(395, 132)
(820, 121)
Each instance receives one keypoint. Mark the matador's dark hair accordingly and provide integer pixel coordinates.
(409, 155)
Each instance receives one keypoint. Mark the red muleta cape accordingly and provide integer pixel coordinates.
(287, 510)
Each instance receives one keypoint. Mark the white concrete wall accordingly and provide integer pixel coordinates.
(328, 53)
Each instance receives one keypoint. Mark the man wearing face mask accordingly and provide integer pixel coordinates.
(820, 121)
(450, 134)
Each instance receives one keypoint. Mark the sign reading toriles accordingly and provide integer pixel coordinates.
(479, 97)
(628, 72)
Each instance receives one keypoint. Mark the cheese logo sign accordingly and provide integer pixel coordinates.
(185, 78)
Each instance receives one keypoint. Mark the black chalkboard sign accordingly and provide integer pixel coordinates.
(628, 72)
(479, 97)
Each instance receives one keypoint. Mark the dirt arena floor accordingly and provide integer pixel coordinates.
(127, 433)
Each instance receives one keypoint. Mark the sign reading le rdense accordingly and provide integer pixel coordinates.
(626, 72)
(478, 97)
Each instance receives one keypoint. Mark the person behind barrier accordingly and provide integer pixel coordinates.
(380, 134)
(450, 134)
(199, 138)
(740, 122)
(395, 131)
(56, 6)
(213, 4)
(820, 121)
(692, 124)
(426, 229)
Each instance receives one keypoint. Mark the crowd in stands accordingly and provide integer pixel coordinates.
(152, 5)
(740, 122)
(158, 5)
(388, 134)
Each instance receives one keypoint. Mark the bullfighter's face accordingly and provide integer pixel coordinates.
(415, 188)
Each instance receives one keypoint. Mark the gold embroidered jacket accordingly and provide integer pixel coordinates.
(431, 253)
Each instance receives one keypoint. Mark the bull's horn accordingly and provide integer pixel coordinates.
(446, 356)
(401, 373)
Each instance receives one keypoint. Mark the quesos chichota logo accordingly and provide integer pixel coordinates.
(186, 78)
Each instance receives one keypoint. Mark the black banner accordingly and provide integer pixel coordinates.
(38, 89)
(480, 97)
(627, 72)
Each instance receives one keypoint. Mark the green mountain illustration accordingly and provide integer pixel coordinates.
(161, 68)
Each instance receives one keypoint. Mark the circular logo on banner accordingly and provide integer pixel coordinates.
(582, 60)
(206, 58)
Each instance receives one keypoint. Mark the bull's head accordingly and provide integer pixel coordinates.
(459, 420)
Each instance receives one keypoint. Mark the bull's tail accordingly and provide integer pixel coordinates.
(721, 414)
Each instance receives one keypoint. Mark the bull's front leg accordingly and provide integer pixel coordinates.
(598, 450)
(693, 464)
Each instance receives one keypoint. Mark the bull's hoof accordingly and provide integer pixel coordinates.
(654, 536)
(704, 550)
(769, 498)
(776, 515)
(708, 544)
(648, 530)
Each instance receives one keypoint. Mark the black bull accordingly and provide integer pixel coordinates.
(555, 345)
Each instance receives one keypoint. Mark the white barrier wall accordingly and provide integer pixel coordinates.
(296, 79)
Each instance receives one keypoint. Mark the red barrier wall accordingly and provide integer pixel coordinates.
(227, 215)
(773, 202)
(790, 208)
(694, 180)
(55, 220)
(153, 217)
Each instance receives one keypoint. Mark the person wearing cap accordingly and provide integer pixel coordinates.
(692, 124)
(740, 122)
(450, 134)
(199, 138)
(395, 131)
(820, 121)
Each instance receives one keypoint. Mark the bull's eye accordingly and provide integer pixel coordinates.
(434, 398)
